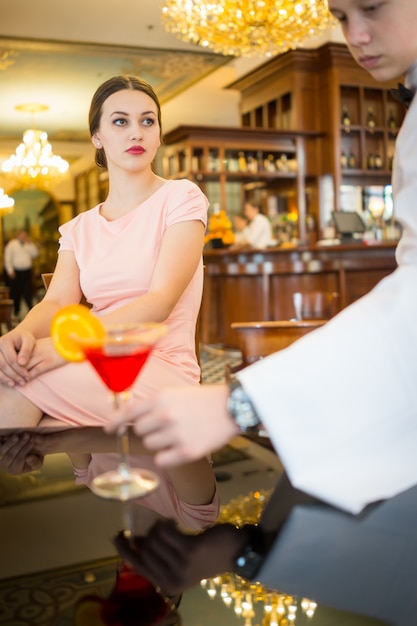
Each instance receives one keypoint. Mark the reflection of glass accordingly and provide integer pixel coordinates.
(118, 357)
(133, 601)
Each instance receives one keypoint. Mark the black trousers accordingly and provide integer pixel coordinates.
(21, 287)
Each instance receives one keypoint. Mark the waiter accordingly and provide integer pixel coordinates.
(18, 260)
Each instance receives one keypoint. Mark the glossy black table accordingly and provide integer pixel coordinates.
(360, 570)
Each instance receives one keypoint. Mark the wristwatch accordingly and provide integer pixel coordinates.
(241, 409)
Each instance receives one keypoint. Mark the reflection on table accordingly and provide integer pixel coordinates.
(360, 571)
(93, 452)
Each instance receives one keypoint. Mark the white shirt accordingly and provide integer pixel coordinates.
(19, 256)
(340, 405)
(241, 236)
(259, 232)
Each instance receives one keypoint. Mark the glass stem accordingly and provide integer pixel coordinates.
(128, 520)
(124, 465)
(122, 435)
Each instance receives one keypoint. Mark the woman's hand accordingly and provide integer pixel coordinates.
(44, 358)
(17, 454)
(16, 349)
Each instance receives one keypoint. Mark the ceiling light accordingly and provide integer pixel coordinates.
(246, 27)
(34, 163)
(6, 203)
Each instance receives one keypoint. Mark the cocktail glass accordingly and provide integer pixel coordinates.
(118, 357)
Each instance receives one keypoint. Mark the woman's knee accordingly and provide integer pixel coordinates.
(16, 410)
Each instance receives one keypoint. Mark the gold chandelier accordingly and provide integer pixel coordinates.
(251, 601)
(6, 203)
(34, 163)
(246, 27)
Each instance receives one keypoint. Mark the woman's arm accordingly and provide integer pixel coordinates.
(173, 271)
(194, 483)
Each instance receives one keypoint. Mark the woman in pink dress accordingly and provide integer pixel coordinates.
(136, 257)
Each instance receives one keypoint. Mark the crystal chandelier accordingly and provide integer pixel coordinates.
(34, 163)
(246, 27)
(6, 203)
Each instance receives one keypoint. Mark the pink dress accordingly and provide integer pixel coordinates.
(116, 261)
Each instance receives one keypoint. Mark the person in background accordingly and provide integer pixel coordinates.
(126, 256)
(259, 231)
(241, 229)
(340, 405)
(18, 261)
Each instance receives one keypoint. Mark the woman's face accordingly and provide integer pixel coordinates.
(129, 131)
(381, 34)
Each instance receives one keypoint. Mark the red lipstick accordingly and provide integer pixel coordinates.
(136, 150)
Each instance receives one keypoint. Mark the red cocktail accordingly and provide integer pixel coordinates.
(118, 358)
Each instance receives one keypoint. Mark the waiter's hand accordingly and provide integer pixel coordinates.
(176, 561)
(182, 424)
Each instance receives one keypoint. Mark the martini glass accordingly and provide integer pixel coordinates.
(118, 357)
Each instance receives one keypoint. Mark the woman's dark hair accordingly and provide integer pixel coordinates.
(109, 87)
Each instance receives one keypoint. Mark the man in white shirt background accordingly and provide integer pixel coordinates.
(18, 261)
(259, 231)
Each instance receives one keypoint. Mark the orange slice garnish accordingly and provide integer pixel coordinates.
(73, 322)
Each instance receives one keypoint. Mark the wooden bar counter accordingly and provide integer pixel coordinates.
(257, 285)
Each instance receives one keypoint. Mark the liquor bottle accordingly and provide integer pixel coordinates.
(371, 161)
(282, 163)
(378, 161)
(233, 163)
(345, 118)
(213, 161)
(352, 161)
(391, 121)
(260, 159)
(269, 163)
(370, 119)
(343, 160)
(252, 164)
(242, 162)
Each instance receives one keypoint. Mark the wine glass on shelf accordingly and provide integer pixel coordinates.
(118, 357)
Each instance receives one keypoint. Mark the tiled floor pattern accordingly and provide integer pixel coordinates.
(213, 361)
